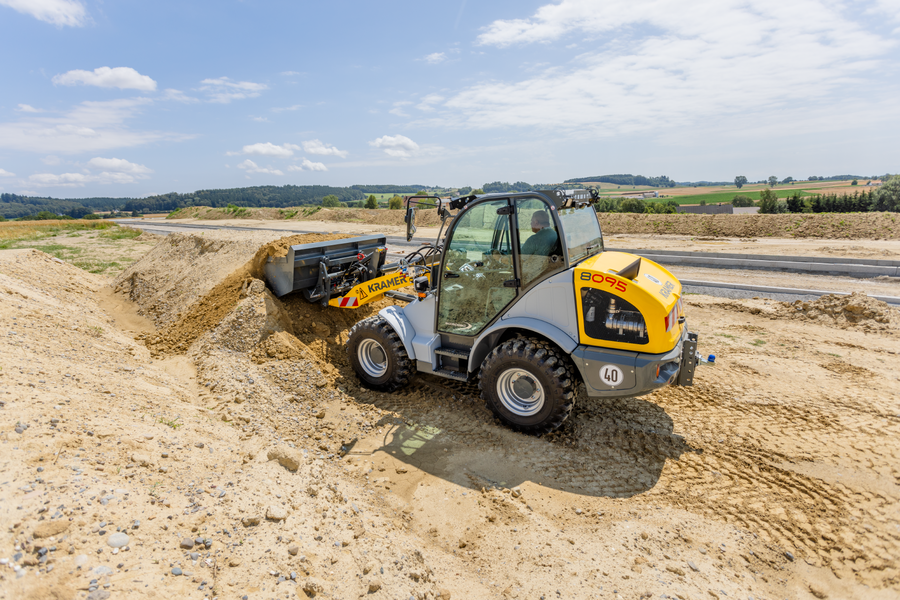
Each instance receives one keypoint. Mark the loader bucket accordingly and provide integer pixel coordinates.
(316, 269)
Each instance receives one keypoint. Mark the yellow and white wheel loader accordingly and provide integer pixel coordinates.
(519, 295)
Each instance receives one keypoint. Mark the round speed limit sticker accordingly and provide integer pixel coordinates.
(611, 375)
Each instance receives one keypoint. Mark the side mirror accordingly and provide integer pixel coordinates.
(410, 223)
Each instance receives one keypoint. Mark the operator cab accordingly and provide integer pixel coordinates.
(500, 246)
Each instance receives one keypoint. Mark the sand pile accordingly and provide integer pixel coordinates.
(188, 284)
(856, 310)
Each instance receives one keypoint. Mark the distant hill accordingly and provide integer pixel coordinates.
(13, 206)
(390, 189)
(626, 179)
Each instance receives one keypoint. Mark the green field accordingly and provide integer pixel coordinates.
(716, 197)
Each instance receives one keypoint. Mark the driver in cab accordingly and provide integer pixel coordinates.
(544, 241)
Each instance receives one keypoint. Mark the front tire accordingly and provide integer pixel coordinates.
(378, 356)
(529, 385)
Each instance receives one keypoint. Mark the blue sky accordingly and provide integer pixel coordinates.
(129, 98)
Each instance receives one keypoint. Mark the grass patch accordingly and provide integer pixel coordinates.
(727, 335)
(758, 342)
(14, 232)
(121, 233)
(236, 211)
(96, 266)
(173, 423)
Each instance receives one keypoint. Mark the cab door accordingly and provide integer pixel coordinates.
(478, 277)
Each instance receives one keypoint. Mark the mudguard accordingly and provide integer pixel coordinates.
(483, 345)
(401, 325)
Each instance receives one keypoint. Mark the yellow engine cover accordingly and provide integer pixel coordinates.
(655, 292)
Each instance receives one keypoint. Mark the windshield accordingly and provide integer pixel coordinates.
(582, 232)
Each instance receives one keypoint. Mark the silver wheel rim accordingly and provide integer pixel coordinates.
(372, 358)
(520, 392)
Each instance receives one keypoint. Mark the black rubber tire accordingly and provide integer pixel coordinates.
(548, 365)
(399, 367)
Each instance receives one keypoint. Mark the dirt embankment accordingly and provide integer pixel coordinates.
(878, 226)
(424, 217)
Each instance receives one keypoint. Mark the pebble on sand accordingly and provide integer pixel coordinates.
(117, 540)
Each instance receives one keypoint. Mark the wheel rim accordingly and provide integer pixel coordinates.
(372, 358)
(520, 392)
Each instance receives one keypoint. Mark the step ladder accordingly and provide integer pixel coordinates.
(443, 371)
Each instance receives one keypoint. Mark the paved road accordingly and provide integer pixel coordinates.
(398, 246)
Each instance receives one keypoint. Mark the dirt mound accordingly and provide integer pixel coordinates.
(856, 310)
(188, 284)
(826, 225)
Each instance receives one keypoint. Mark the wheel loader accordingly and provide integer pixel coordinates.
(518, 295)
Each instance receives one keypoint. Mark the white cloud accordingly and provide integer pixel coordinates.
(251, 167)
(259, 119)
(308, 165)
(223, 90)
(428, 102)
(5, 173)
(51, 160)
(435, 58)
(87, 127)
(666, 64)
(290, 73)
(124, 78)
(55, 12)
(111, 170)
(270, 149)
(79, 179)
(323, 149)
(398, 108)
(118, 165)
(398, 146)
(294, 107)
(178, 96)
(27, 108)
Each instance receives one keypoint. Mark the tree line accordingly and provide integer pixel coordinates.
(884, 199)
(388, 189)
(627, 179)
(269, 196)
(14, 206)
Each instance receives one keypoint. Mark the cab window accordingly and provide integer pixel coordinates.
(540, 250)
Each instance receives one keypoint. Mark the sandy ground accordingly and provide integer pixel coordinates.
(221, 431)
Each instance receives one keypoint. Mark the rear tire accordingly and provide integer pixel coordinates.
(529, 385)
(378, 356)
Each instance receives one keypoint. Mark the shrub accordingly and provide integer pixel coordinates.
(607, 205)
(395, 203)
(91, 216)
(888, 197)
(669, 207)
(768, 202)
(371, 202)
(742, 201)
(633, 205)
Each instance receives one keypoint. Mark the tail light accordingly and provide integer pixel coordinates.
(674, 314)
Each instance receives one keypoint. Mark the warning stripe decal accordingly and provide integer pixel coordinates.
(349, 301)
